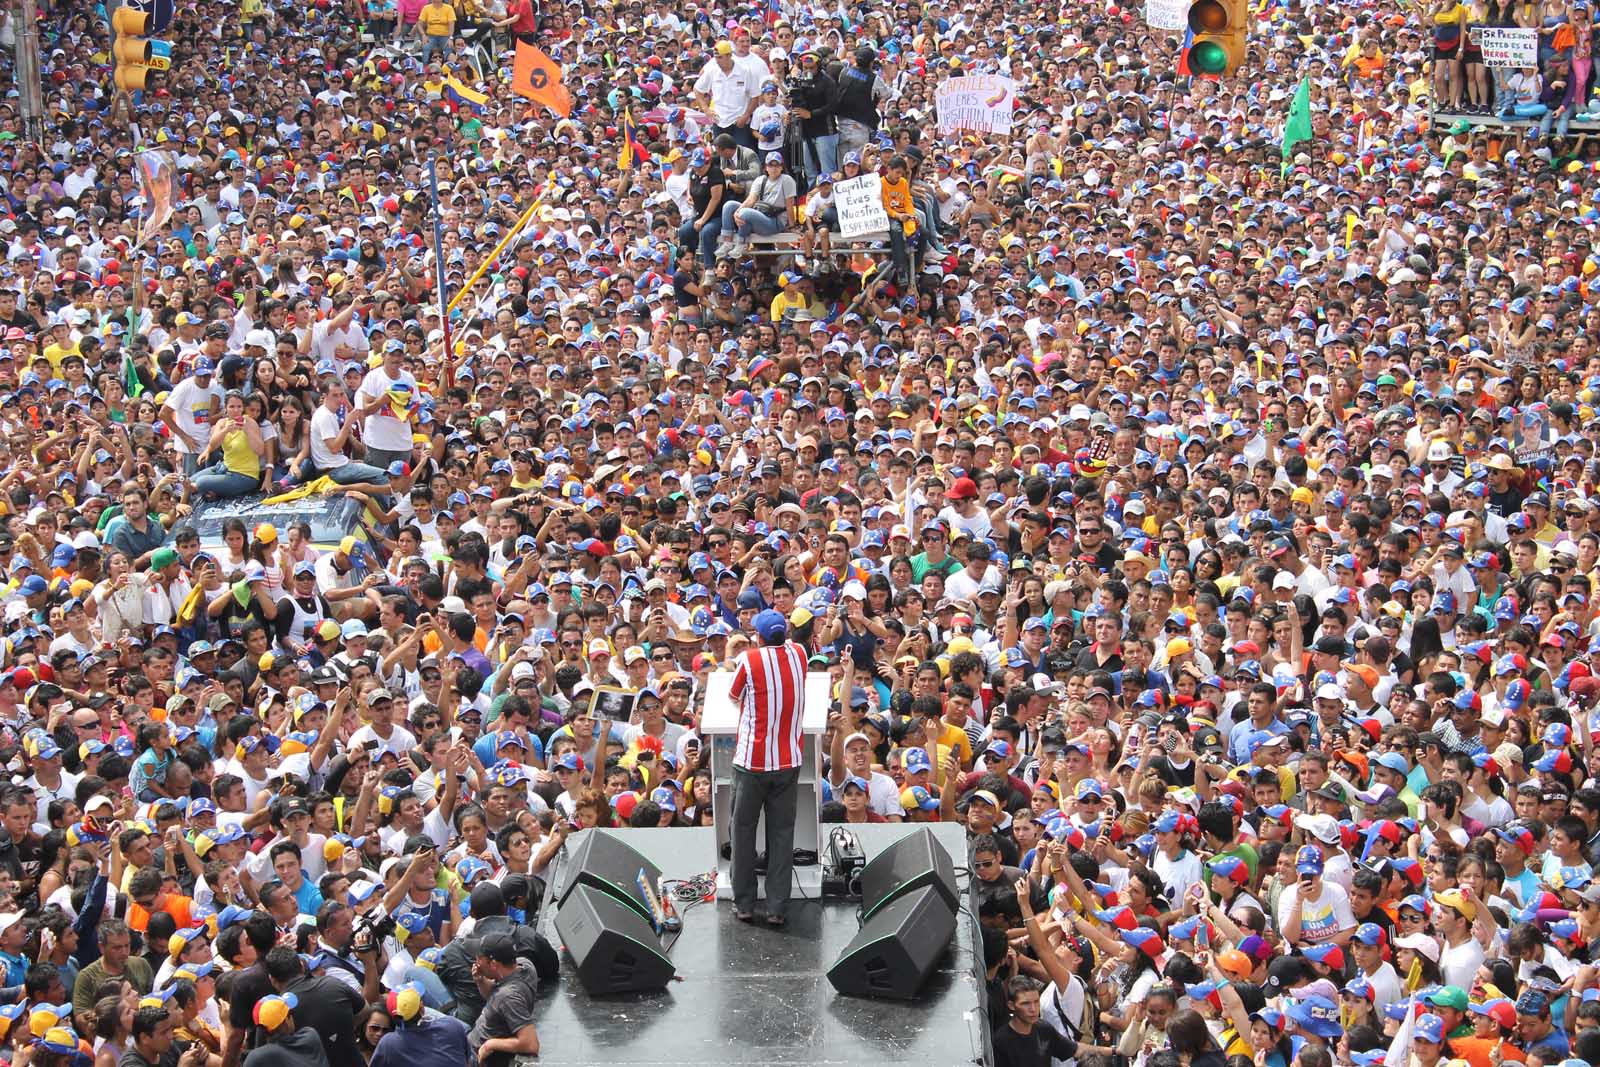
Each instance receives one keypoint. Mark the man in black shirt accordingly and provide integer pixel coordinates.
(508, 985)
(248, 986)
(10, 316)
(327, 1007)
(284, 1042)
(1025, 1041)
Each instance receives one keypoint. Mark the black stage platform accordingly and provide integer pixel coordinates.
(749, 994)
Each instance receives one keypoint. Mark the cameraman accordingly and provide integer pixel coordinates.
(336, 923)
(811, 93)
(855, 102)
(488, 911)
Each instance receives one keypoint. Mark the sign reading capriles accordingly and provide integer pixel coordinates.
(981, 103)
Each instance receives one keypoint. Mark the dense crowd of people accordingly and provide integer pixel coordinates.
(1205, 523)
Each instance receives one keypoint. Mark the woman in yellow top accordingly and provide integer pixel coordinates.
(238, 437)
(1449, 18)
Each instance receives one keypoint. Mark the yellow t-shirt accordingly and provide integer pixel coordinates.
(57, 352)
(955, 739)
(437, 20)
(238, 456)
(787, 303)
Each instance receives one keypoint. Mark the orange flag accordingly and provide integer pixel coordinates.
(538, 77)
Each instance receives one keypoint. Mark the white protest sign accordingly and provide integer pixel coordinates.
(981, 102)
(860, 205)
(1508, 46)
(1166, 14)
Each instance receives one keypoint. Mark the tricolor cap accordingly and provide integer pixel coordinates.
(179, 941)
(9, 1014)
(1369, 934)
(1329, 955)
(1232, 868)
(1187, 930)
(411, 922)
(193, 972)
(469, 868)
(272, 1011)
(1557, 762)
(1430, 1028)
(1316, 1015)
(1501, 1010)
(61, 1039)
(1120, 916)
(1145, 940)
(43, 1016)
(404, 1004)
(1416, 903)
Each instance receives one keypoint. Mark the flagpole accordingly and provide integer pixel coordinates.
(445, 375)
(489, 260)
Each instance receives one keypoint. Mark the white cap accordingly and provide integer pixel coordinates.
(258, 339)
(1284, 580)
(1439, 452)
(1329, 691)
(1322, 827)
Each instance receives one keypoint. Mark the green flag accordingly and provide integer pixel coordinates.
(132, 384)
(1298, 127)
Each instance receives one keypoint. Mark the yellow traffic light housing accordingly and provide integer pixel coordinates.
(1220, 29)
(130, 51)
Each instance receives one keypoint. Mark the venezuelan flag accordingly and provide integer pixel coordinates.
(462, 95)
(1183, 55)
(633, 151)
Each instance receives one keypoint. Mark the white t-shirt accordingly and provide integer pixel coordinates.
(382, 430)
(1323, 917)
(325, 426)
(400, 742)
(191, 410)
(1460, 964)
(1179, 874)
(1386, 984)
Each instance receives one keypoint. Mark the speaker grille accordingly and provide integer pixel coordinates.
(897, 949)
(614, 949)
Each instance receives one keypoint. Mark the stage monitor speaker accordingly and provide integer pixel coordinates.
(615, 950)
(910, 863)
(604, 862)
(894, 952)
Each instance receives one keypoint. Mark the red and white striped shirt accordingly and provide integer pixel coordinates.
(769, 685)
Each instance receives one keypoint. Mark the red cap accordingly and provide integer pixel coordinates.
(961, 489)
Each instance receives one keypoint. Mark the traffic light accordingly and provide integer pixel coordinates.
(1220, 29)
(133, 54)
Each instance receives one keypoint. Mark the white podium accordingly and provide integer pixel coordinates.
(719, 725)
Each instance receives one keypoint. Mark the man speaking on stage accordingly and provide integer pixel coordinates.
(769, 686)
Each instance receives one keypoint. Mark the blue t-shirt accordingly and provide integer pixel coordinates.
(308, 897)
(433, 1042)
